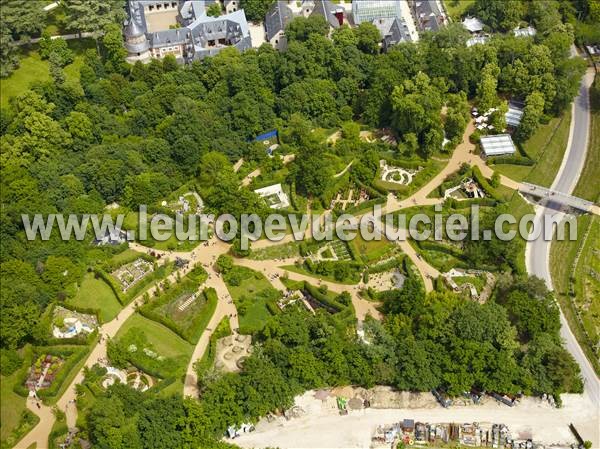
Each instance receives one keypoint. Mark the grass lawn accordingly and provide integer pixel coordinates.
(33, 69)
(129, 255)
(372, 250)
(96, 293)
(518, 207)
(477, 281)
(251, 297)
(165, 342)
(171, 352)
(588, 187)
(582, 310)
(547, 147)
(174, 389)
(12, 408)
(285, 250)
(456, 8)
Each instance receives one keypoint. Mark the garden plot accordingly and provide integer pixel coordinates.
(333, 251)
(274, 196)
(354, 198)
(69, 324)
(467, 188)
(397, 175)
(183, 308)
(188, 203)
(131, 273)
(232, 351)
(134, 379)
(43, 371)
(478, 283)
(388, 280)
(150, 347)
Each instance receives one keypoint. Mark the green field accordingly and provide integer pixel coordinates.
(456, 8)
(129, 255)
(578, 288)
(11, 411)
(251, 297)
(372, 250)
(173, 352)
(547, 147)
(164, 341)
(33, 69)
(96, 294)
(586, 187)
(283, 251)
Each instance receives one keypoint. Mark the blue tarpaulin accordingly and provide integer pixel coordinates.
(267, 135)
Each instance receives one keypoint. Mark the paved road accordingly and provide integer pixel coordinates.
(538, 251)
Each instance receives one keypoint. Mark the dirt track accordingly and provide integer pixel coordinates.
(314, 430)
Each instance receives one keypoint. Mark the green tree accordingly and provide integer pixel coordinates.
(486, 90)
(9, 59)
(368, 37)
(93, 15)
(532, 113)
(344, 36)
(56, 48)
(224, 263)
(214, 10)
(256, 9)
(500, 15)
(22, 19)
(301, 27)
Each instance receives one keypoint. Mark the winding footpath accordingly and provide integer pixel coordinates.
(206, 254)
(538, 251)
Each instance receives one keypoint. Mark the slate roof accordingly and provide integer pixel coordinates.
(277, 18)
(197, 30)
(325, 8)
(428, 14)
(393, 31)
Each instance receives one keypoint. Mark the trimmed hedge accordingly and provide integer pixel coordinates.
(323, 298)
(354, 253)
(72, 357)
(485, 185)
(59, 429)
(84, 310)
(160, 386)
(223, 330)
(112, 266)
(511, 160)
(193, 333)
(395, 262)
(365, 205)
(371, 190)
(405, 163)
(333, 189)
(159, 272)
